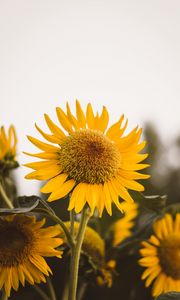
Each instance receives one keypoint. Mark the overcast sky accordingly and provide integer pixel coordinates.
(124, 54)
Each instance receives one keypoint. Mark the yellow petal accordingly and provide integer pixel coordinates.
(94, 197)
(49, 137)
(108, 201)
(41, 164)
(71, 118)
(131, 139)
(54, 128)
(152, 276)
(44, 155)
(80, 115)
(62, 191)
(128, 174)
(159, 285)
(74, 196)
(122, 192)
(15, 279)
(130, 184)
(81, 200)
(44, 174)
(114, 129)
(63, 119)
(114, 196)
(102, 121)
(90, 116)
(54, 184)
(12, 139)
(41, 145)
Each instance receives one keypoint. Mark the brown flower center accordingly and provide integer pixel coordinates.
(169, 253)
(15, 244)
(88, 156)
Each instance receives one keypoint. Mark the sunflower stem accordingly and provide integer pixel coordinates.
(65, 291)
(72, 215)
(51, 289)
(75, 256)
(4, 196)
(41, 292)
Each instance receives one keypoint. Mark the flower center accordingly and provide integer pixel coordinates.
(169, 253)
(88, 156)
(15, 244)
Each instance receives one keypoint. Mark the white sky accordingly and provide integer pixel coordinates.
(124, 54)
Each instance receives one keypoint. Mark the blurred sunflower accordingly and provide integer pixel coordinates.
(121, 229)
(161, 256)
(8, 142)
(23, 243)
(97, 164)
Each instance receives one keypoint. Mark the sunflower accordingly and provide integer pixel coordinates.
(23, 243)
(121, 229)
(8, 142)
(96, 164)
(161, 256)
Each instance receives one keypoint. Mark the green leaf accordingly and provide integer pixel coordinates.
(26, 204)
(169, 296)
(154, 203)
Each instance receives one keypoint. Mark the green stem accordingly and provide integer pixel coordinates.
(76, 251)
(41, 292)
(51, 289)
(66, 291)
(81, 291)
(5, 198)
(72, 223)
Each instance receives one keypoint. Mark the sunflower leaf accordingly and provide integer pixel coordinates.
(169, 296)
(153, 203)
(25, 205)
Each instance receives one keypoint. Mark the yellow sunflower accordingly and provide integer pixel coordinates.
(8, 142)
(96, 164)
(161, 256)
(121, 229)
(23, 243)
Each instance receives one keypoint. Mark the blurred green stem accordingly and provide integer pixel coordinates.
(75, 254)
(4, 196)
(66, 291)
(51, 289)
(41, 292)
(81, 291)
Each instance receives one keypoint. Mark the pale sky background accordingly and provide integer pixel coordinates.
(122, 54)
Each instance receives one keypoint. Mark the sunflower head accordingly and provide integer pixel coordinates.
(95, 163)
(23, 243)
(8, 142)
(161, 256)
